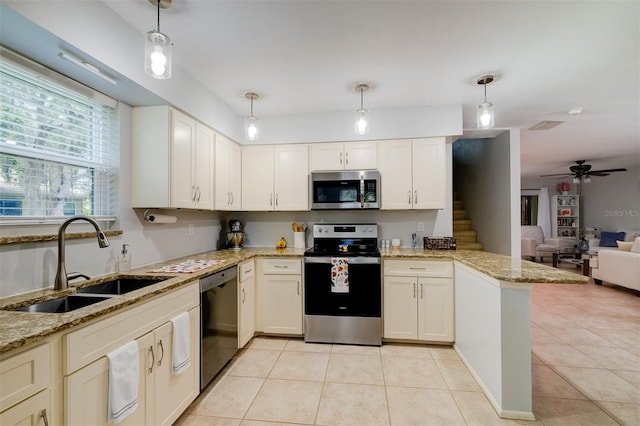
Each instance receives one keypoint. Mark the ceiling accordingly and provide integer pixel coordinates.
(307, 56)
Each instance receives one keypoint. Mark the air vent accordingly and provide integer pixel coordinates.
(546, 125)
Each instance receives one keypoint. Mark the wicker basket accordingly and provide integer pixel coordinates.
(439, 243)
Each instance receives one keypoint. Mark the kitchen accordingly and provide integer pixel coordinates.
(150, 243)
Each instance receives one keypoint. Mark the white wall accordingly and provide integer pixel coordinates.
(484, 170)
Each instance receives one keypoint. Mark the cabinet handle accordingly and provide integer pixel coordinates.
(298, 287)
(270, 199)
(340, 158)
(153, 359)
(231, 198)
(421, 291)
(43, 414)
(161, 354)
(417, 269)
(193, 192)
(276, 198)
(415, 201)
(409, 197)
(414, 290)
(243, 296)
(198, 192)
(346, 158)
(249, 270)
(281, 266)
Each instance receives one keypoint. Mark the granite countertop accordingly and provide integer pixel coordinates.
(21, 328)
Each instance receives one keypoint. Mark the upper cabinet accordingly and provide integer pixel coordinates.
(343, 156)
(413, 174)
(172, 160)
(228, 174)
(275, 178)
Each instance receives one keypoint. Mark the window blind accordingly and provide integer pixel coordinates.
(59, 149)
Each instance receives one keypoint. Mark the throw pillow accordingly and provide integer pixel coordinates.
(636, 245)
(608, 239)
(624, 245)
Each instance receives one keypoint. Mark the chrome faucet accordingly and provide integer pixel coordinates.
(61, 282)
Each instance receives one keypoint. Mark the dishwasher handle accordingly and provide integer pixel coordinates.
(219, 279)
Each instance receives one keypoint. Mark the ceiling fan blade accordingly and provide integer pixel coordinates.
(607, 171)
(598, 173)
(557, 174)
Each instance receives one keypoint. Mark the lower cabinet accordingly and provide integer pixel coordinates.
(162, 396)
(279, 296)
(246, 302)
(418, 300)
(33, 411)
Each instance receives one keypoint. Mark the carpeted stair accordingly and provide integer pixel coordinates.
(466, 238)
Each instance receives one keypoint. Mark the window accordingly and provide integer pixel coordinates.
(58, 147)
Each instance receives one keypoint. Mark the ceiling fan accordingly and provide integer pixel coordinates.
(581, 170)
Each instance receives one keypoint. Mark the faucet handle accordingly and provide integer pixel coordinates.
(74, 275)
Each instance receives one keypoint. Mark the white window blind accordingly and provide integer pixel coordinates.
(59, 149)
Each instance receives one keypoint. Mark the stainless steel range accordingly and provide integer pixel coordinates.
(343, 292)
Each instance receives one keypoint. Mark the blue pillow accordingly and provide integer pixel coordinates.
(608, 239)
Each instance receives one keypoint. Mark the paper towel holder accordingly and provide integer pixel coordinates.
(156, 218)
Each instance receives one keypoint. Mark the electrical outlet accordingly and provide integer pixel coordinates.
(191, 230)
(420, 226)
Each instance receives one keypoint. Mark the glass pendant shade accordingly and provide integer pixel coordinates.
(485, 115)
(587, 179)
(362, 122)
(252, 129)
(157, 55)
(576, 179)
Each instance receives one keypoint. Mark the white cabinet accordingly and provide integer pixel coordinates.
(343, 156)
(418, 300)
(275, 178)
(279, 296)
(162, 396)
(246, 302)
(228, 174)
(413, 174)
(565, 217)
(33, 411)
(172, 160)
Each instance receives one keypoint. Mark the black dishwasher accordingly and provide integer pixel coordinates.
(218, 322)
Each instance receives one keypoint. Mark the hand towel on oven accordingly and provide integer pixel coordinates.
(180, 358)
(123, 382)
(339, 275)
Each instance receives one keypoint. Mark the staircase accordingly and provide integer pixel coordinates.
(466, 238)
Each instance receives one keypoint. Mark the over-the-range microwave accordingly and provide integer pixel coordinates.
(355, 189)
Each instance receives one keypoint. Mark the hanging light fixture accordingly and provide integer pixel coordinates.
(362, 121)
(251, 122)
(485, 113)
(157, 47)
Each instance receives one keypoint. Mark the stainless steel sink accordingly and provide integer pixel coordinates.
(118, 286)
(64, 304)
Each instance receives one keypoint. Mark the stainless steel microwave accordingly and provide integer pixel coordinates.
(357, 189)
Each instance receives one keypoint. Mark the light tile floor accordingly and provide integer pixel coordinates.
(586, 371)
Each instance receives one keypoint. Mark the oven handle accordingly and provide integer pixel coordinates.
(363, 260)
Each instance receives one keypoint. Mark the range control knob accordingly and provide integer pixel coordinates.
(326, 229)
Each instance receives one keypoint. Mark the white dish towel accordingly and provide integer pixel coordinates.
(124, 374)
(180, 357)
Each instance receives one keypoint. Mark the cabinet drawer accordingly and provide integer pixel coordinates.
(246, 270)
(419, 268)
(281, 266)
(29, 412)
(84, 346)
(24, 375)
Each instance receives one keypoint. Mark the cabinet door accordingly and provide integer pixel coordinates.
(33, 411)
(435, 309)
(182, 171)
(396, 191)
(203, 162)
(291, 176)
(400, 315)
(247, 304)
(326, 156)
(282, 304)
(86, 391)
(222, 194)
(360, 156)
(429, 173)
(257, 178)
(235, 176)
(173, 394)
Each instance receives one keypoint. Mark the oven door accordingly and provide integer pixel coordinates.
(345, 190)
(364, 295)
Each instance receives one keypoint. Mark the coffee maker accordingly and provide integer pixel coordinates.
(235, 236)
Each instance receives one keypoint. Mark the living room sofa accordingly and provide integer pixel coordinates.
(616, 266)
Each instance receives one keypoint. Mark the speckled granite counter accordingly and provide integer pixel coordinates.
(21, 328)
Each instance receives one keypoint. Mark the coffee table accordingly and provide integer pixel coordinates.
(579, 260)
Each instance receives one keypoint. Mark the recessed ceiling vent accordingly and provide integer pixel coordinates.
(546, 125)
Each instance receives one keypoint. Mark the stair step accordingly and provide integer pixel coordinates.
(459, 214)
(457, 205)
(470, 246)
(461, 225)
(465, 236)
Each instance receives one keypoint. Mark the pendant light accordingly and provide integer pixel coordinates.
(362, 121)
(251, 122)
(485, 112)
(157, 47)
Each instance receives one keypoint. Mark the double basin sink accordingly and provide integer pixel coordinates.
(86, 296)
